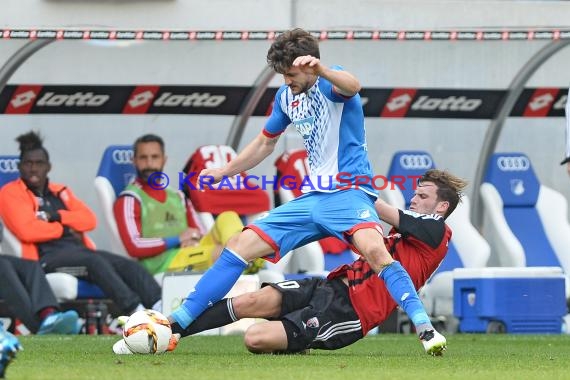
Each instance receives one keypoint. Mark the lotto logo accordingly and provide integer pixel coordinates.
(22, 99)
(9, 165)
(416, 161)
(123, 156)
(398, 102)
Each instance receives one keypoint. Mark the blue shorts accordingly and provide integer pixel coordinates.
(313, 216)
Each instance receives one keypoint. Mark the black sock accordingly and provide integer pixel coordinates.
(221, 314)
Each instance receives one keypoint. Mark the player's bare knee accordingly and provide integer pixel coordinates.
(254, 340)
(245, 303)
(377, 256)
(263, 303)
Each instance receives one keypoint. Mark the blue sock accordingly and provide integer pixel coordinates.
(402, 290)
(212, 287)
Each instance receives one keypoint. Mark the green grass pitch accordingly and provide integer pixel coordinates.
(384, 356)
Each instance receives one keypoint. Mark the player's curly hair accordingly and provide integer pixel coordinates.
(31, 141)
(290, 45)
(449, 187)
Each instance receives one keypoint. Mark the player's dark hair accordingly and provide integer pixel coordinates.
(290, 45)
(449, 187)
(31, 141)
(148, 138)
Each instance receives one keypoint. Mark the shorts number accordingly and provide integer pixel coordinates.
(288, 284)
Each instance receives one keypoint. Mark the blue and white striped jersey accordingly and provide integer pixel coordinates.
(332, 127)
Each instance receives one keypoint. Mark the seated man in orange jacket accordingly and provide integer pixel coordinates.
(51, 224)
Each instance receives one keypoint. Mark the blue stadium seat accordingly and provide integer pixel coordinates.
(467, 247)
(116, 170)
(9, 169)
(525, 221)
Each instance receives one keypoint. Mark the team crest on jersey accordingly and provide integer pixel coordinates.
(313, 323)
(305, 126)
(363, 214)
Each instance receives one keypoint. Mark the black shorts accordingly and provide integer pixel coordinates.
(317, 313)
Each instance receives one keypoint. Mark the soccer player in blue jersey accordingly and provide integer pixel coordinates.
(323, 105)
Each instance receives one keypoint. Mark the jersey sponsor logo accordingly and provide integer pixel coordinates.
(123, 156)
(416, 161)
(363, 214)
(304, 126)
(513, 163)
(9, 165)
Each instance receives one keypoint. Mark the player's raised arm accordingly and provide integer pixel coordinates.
(255, 152)
(387, 213)
(344, 82)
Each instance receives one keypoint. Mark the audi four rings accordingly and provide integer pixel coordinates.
(416, 161)
(123, 156)
(9, 165)
(513, 163)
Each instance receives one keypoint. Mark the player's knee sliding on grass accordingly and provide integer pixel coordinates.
(267, 234)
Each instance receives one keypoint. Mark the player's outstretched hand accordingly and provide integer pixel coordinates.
(209, 177)
(308, 64)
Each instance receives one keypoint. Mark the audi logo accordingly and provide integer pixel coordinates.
(123, 156)
(513, 163)
(416, 161)
(9, 165)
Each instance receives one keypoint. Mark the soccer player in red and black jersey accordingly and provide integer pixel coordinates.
(337, 311)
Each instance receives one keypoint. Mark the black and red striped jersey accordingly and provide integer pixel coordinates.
(419, 243)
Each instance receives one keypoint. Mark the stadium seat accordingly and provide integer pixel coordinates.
(249, 199)
(315, 257)
(64, 286)
(525, 221)
(115, 172)
(467, 247)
